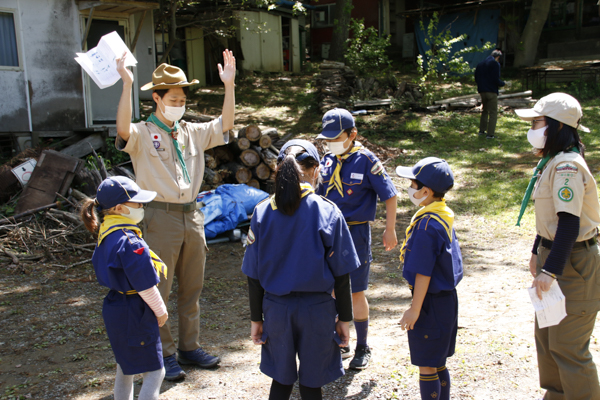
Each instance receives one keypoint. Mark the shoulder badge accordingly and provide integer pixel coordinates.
(377, 169)
(567, 168)
(565, 193)
(251, 238)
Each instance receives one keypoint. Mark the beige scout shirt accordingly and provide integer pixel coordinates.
(155, 161)
(566, 185)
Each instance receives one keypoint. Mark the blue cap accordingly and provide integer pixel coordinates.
(335, 122)
(118, 190)
(432, 172)
(311, 150)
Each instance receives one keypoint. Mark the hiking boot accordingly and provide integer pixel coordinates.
(346, 352)
(362, 355)
(173, 371)
(199, 358)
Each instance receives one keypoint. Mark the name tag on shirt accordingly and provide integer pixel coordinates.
(356, 176)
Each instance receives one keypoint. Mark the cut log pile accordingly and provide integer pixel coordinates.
(511, 100)
(337, 83)
(251, 158)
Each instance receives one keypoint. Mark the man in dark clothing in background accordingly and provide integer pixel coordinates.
(487, 77)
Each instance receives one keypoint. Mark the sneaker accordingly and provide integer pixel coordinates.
(346, 352)
(199, 358)
(362, 355)
(173, 371)
(481, 133)
(490, 137)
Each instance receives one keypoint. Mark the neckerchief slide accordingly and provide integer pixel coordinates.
(152, 118)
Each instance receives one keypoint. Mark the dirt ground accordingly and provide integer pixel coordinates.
(53, 344)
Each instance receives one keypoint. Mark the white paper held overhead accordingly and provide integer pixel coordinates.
(99, 62)
(551, 309)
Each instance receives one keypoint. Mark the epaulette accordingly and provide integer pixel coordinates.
(257, 204)
(370, 155)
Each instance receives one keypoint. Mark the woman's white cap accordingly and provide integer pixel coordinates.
(559, 106)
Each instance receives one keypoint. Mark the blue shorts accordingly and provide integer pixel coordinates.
(434, 335)
(302, 324)
(132, 330)
(361, 236)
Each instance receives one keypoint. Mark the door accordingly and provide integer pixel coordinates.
(104, 102)
(271, 45)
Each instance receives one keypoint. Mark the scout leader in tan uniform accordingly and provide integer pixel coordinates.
(168, 158)
(567, 218)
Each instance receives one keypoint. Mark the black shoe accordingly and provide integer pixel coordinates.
(362, 355)
(173, 371)
(481, 133)
(490, 137)
(346, 352)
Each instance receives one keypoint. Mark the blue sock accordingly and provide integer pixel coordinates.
(444, 382)
(362, 329)
(430, 386)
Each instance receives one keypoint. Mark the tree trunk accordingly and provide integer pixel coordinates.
(269, 158)
(253, 183)
(262, 171)
(240, 144)
(250, 157)
(527, 49)
(172, 31)
(240, 173)
(343, 8)
(252, 132)
(265, 141)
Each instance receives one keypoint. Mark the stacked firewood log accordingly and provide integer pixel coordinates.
(251, 158)
(334, 85)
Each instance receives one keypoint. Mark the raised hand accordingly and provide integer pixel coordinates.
(227, 73)
(125, 73)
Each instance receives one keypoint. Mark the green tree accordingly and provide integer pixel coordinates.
(366, 52)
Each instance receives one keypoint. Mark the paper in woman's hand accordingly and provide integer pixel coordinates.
(100, 63)
(551, 309)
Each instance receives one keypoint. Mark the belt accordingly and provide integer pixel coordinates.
(590, 242)
(182, 207)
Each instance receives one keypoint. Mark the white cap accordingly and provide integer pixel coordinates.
(559, 106)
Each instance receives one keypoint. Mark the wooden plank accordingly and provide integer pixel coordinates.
(53, 174)
(519, 94)
(465, 96)
(82, 148)
(373, 103)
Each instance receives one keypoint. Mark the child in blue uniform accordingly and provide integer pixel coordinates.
(133, 309)
(432, 268)
(353, 178)
(299, 249)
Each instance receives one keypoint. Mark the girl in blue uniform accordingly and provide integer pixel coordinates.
(299, 250)
(133, 309)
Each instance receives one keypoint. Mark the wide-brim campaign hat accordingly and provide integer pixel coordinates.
(311, 150)
(335, 122)
(118, 190)
(432, 172)
(559, 106)
(168, 77)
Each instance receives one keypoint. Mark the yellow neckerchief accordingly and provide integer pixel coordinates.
(436, 210)
(305, 188)
(114, 223)
(336, 180)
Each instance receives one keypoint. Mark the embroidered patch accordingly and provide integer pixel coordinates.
(566, 168)
(329, 162)
(377, 168)
(565, 193)
(156, 144)
(139, 251)
(251, 239)
(156, 137)
(349, 191)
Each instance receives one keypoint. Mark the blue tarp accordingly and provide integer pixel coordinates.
(227, 206)
(480, 26)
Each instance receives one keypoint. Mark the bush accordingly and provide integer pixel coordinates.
(366, 53)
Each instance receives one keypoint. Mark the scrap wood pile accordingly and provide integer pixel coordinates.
(507, 100)
(337, 83)
(251, 158)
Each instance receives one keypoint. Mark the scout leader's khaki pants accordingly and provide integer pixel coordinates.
(178, 239)
(566, 368)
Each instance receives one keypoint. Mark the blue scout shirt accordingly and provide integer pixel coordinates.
(430, 253)
(299, 253)
(363, 179)
(123, 263)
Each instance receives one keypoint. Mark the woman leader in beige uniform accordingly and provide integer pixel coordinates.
(567, 216)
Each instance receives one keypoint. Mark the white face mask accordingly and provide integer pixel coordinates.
(411, 195)
(172, 113)
(135, 214)
(337, 148)
(537, 138)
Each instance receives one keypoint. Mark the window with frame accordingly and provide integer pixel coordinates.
(323, 16)
(9, 55)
